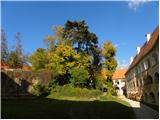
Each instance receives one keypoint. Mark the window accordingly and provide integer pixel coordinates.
(145, 97)
(140, 82)
(137, 84)
(146, 64)
(156, 77)
(149, 64)
(130, 86)
(158, 97)
(136, 71)
(133, 85)
(154, 59)
(152, 98)
(142, 67)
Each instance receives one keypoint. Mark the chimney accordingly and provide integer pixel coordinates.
(131, 60)
(138, 49)
(148, 36)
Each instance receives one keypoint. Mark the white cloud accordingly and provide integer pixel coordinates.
(116, 45)
(123, 64)
(119, 44)
(134, 4)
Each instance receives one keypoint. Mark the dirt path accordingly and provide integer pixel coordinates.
(142, 111)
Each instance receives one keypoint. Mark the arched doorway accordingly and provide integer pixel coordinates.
(156, 77)
(158, 98)
(117, 90)
(145, 97)
(152, 98)
(148, 80)
(124, 91)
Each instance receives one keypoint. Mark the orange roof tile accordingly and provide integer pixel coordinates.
(146, 48)
(119, 73)
(4, 64)
(26, 67)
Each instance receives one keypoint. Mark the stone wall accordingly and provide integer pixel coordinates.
(18, 83)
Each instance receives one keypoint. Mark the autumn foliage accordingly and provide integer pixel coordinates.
(74, 56)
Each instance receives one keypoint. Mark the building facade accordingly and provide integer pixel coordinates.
(142, 76)
(119, 81)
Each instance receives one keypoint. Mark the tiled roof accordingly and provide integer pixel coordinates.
(146, 48)
(26, 67)
(4, 64)
(119, 73)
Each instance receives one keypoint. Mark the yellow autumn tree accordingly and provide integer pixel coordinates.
(103, 74)
(109, 52)
(64, 59)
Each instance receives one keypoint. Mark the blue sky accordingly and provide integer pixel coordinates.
(123, 23)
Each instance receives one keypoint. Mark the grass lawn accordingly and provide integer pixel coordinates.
(40, 108)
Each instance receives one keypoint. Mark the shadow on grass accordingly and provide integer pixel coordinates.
(37, 107)
(51, 108)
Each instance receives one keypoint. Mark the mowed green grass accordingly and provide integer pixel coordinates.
(52, 108)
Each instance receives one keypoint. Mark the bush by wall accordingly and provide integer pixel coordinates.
(71, 91)
(39, 89)
(79, 76)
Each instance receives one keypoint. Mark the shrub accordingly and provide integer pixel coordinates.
(39, 89)
(70, 91)
(79, 76)
(10, 74)
(110, 89)
(99, 83)
(52, 84)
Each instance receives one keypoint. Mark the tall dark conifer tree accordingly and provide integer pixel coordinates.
(4, 48)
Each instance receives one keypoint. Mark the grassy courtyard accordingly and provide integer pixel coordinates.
(105, 107)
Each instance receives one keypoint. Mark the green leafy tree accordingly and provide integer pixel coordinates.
(109, 52)
(73, 52)
(76, 33)
(110, 89)
(79, 76)
(14, 60)
(4, 48)
(61, 61)
(39, 89)
(64, 59)
(38, 59)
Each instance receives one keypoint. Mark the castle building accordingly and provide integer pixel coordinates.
(119, 81)
(142, 76)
